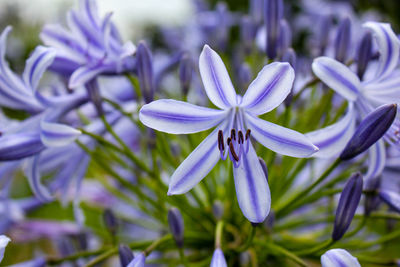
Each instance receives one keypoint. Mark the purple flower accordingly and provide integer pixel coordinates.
(218, 259)
(338, 257)
(236, 122)
(91, 46)
(362, 96)
(391, 198)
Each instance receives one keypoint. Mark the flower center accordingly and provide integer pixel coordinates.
(236, 144)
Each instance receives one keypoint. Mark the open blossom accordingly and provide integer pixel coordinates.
(236, 122)
(362, 96)
(90, 47)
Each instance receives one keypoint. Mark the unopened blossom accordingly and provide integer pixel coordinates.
(235, 122)
(362, 96)
(338, 257)
(4, 240)
(218, 259)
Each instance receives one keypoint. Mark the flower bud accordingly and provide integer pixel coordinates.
(364, 54)
(264, 167)
(256, 10)
(370, 130)
(218, 259)
(339, 257)
(273, 15)
(347, 206)
(391, 198)
(110, 221)
(245, 75)
(176, 226)
(342, 41)
(145, 71)
(185, 72)
(218, 210)
(285, 37)
(138, 261)
(247, 33)
(125, 255)
(324, 29)
(93, 91)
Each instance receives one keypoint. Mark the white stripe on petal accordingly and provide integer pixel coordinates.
(216, 80)
(337, 76)
(84, 74)
(269, 89)
(56, 134)
(331, 140)
(179, 117)
(280, 139)
(37, 64)
(338, 258)
(252, 188)
(376, 160)
(388, 45)
(198, 164)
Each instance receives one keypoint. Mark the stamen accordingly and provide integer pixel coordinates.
(221, 144)
(240, 137)
(233, 134)
(228, 141)
(248, 132)
(232, 149)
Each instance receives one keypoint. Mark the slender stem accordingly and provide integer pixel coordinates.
(285, 207)
(218, 233)
(82, 254)
(249, 239)
(377, 261)
(317, 248)
(280, 250)
(157, 243)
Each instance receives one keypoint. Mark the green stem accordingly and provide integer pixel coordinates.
(280, 250)
(317, 248)
(285, 207)
(249, 240)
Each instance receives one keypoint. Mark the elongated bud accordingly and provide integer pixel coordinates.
(370, 130)
(285, 37)
(93, 90)
(218, 259)
(347, 206)
(247, 33)
(125, 255)
(371, 197)
(339, 257)
(290, 57)
(218, 210)
(138, 261)
(391, 198)
(342, 41)
(245, 75)
(264, 167)
(176, 226)
(256, 10)
(273, 15)
(364, 54)
(110, 221)
(185, 72)
(145, 71)
(324, 28)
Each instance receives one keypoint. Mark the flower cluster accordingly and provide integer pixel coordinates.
(90, 160)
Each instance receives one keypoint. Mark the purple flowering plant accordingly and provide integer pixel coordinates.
(197, 146)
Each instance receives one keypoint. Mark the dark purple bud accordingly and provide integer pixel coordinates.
(218, 209)
(270, 220)
(93, 91)
(343, 39)
(176, 226)
(391, 198)
(245, 75)
(285, 37)
(145, 71)
(290, 57)
(264, 167)
(247, 33)
(364, 54)
(347, 206)
(324, 29)
(125, 255)
(110, 221)
(272, 17)
(371, 197)
(185, 72)
(370, 130)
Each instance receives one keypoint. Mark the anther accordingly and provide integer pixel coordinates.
(228, 141)
(234, 155)
(248, 132)
(240, 137)
(221, 145)
(233, 134)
